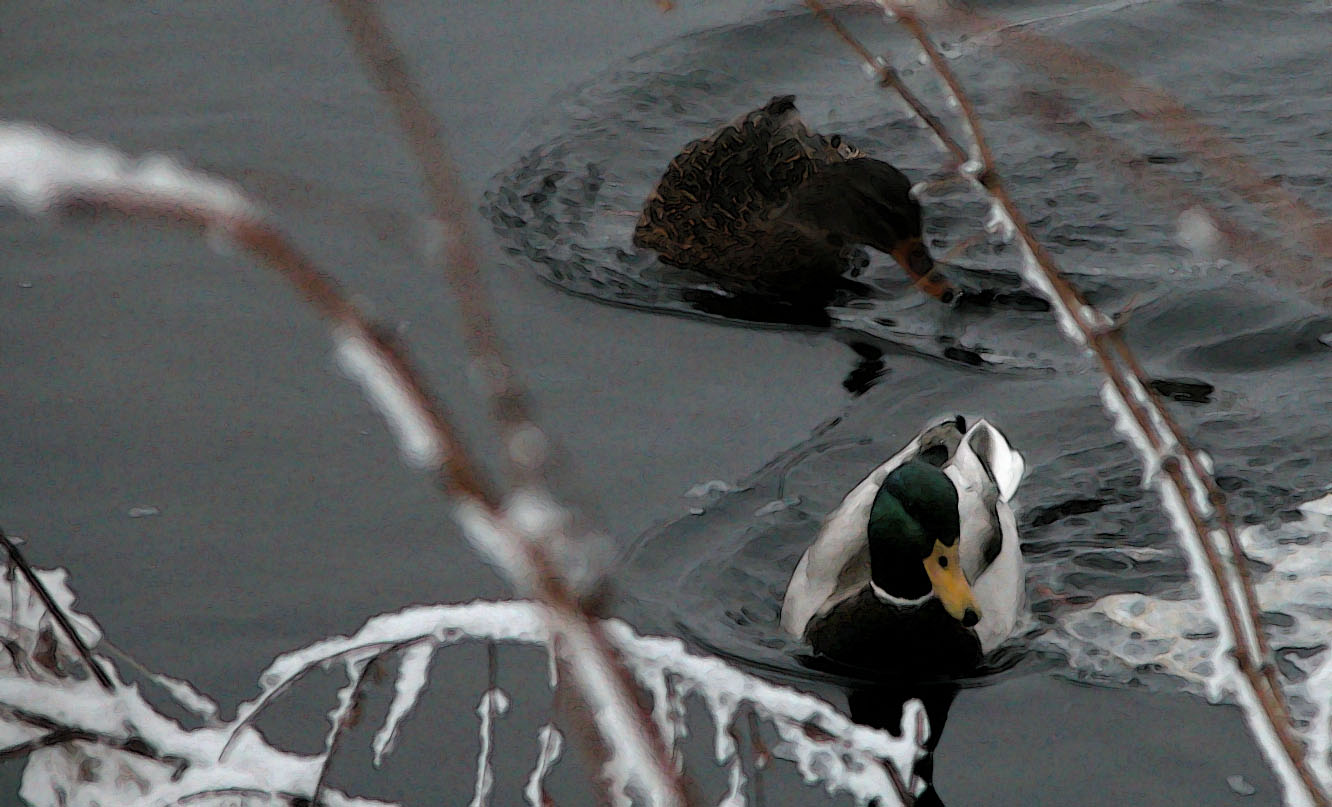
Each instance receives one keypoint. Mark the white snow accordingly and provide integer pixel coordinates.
(413, 669)
(1197, 232)
(40, 167)
(494, 703)
(410, 423)
(549, 745)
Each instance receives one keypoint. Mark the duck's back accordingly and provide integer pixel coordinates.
(711, 209)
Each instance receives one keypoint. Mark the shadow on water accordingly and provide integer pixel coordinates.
(881, 707)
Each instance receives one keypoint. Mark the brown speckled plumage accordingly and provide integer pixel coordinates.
(765, 205)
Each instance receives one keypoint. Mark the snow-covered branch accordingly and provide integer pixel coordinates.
(527, 535)
(95, 746)
(86, 744)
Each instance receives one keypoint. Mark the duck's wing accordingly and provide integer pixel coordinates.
(836, 565)
(1002, 464)
(720, 188)
(986, 471)
(1002, 591)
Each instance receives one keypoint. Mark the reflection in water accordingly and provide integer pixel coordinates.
(868, 369)
(880, 707)
(807, 310)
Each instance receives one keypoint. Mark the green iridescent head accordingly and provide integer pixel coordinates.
(913, 540)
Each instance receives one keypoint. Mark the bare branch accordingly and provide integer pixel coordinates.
(56, 737)
(56, 612)
(458, 474)
(59, 734)
(889, 78)
(525, 545)
(253, 709)
(524, 444)
(761, 757)
(518, 537)
(1272, 258)
(493, 704)
(1217, 155)
(348, 715)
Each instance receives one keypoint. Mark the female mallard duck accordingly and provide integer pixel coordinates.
(918, 570)
(765, 206)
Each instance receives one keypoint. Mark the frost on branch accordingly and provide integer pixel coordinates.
(849, 761)
(117, 748)
(138, 756)
(360, 361)
(40, 168)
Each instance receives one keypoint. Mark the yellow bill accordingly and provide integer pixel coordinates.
(944, 568)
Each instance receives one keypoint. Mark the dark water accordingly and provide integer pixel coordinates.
(141, 369)
(1242, 359)
(565, 207)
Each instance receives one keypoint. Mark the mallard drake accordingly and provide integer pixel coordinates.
(918, 569)
(763, 205)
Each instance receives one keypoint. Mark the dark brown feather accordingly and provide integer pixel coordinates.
(718, 209)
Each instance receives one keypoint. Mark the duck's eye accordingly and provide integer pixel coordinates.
(836, 141)
(943, 563)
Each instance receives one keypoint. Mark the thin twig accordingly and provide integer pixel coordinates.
(1219, 157)
(58, 737)
(761, 757)
(903, 792)
(166, 683)
(64, 735)
(1103, 340)
(579, 727)
(672, 697)
(271, 695)
(59, 734)
(517, 536)
(485, 777)
(889, 78)
(56, 612)
(1273, 258)
(602, 682)
(458, 255)
(349, 718)
(458, 474)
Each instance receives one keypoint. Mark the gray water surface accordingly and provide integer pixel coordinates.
(142, 369)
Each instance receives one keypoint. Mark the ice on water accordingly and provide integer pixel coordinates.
(1121, 637)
